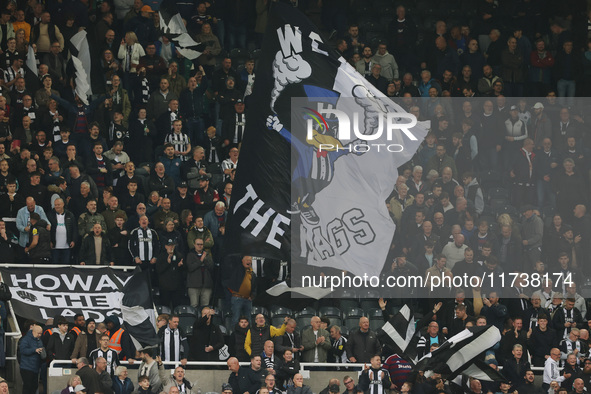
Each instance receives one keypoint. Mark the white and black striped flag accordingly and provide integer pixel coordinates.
(399, 333)
(81, 64)
(173, 27)
(458, 355)
(137, 309)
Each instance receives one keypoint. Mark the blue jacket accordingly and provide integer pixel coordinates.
(30, 359)
(23, 218)
(125, 387)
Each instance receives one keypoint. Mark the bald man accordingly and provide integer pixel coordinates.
(363, 344)
(32, 354)
(316, 342)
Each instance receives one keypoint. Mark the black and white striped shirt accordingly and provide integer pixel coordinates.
(240, 125)
(180, 142)
(143, 243)
(110, 355)
(10, 74)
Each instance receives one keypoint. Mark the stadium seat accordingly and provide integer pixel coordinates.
(255, 54)
(228, 323)
(374, 313)
(303, 321)
(186, 329)
(330, 311)
(344, 330)
(352, 323)
(185, 310)
(277, 321)
(353, 312)
(160, 309)
(307, 311)
(214, 168)
(368, 304)
(187, 315)
(490, 179)
(280, 311)
(348, 303)
(259, 309)
(508, 209)
(375, 324)
(498, 193)
(239, 56)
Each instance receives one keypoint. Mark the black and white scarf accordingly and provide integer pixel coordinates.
(145, 91)
(175, 340)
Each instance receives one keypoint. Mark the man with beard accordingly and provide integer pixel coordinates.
(528, 386)
(149, 367)
(366, 63)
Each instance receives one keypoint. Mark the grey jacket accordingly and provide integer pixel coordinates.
(199, 272)
(532, 230)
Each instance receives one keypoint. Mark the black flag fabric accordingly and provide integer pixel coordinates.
(172, 26)
(459, 355)
(399, 334)
(309, 188)
(137, 309)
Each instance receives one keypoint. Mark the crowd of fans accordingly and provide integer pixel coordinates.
(143, 173)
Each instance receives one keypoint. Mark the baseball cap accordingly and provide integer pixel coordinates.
(146, 8)
(183, 184)
(538, 105)
(513, 108)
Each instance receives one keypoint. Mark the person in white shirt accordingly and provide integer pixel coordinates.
(551, 371)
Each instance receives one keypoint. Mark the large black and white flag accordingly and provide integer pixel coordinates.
(458, 355)
(137, 309)
(173, 27)
(324, 207)
(399, 333)
(81, 64)
(94, 292)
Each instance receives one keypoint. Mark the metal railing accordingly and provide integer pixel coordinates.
(303, 366)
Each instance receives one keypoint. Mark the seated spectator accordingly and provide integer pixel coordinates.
(122, 384)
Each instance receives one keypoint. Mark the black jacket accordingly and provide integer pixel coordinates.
(70, 223)
(88, 252)
(205, 335)
(515, 371)
(58, 349)
(363, 346)
(170, 275)
(540, 342)
(559, 319)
